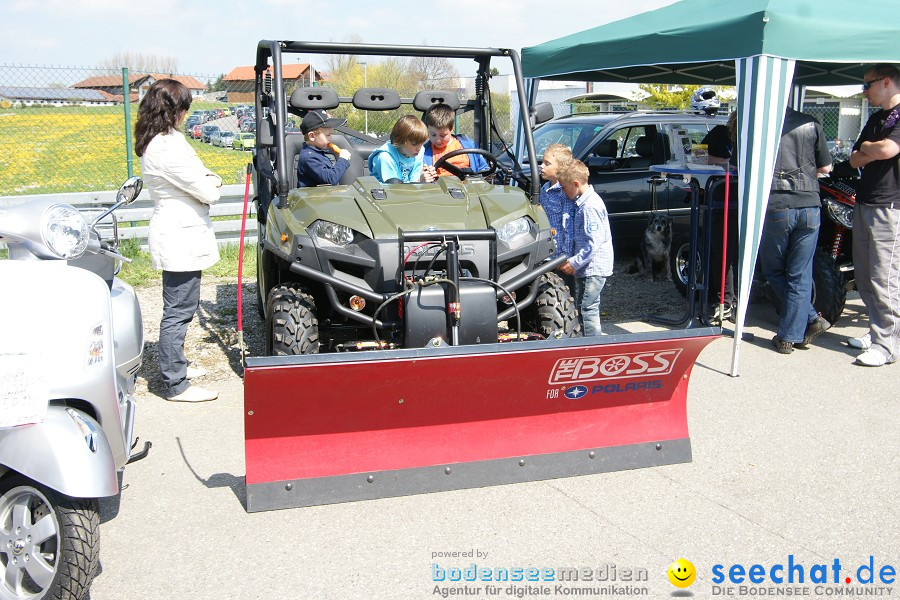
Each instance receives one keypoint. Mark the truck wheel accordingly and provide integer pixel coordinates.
(829, 293)
(553, 311)
(50, 543)
(678, 262)
(291, 324)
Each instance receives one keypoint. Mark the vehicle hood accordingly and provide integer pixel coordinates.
(379, 210)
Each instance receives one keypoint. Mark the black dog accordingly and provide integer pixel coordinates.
(655, 249)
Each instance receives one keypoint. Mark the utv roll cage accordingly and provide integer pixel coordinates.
(271, 102)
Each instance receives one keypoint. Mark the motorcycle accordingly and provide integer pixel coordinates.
(833, 273)
(70, 351)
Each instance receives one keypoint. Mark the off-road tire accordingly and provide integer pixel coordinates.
(829, 293)
(553, 311)
(74, 544)
(292, 327)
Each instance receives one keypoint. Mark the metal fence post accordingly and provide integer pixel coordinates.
(126, 98)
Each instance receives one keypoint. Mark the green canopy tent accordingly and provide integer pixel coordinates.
(761, 46)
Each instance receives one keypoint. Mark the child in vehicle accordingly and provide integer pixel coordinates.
(439, 119)
(316, 164)
(400, 159)
(591, 258)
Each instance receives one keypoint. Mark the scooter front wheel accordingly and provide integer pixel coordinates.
(49, 543)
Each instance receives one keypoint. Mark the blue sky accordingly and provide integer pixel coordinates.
(211, 37)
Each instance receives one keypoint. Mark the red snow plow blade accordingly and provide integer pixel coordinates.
(341, 427)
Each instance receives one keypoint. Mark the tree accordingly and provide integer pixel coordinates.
(218, 85)
(433, 72)
(677, 97)
(141, 63)
(668, 96)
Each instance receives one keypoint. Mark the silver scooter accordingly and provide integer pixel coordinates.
(71, 339)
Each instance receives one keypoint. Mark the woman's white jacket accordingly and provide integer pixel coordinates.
(181, 235)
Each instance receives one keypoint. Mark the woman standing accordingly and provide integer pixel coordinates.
(181, 240)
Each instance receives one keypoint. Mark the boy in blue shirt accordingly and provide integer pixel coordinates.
(316, 164)
(591, 258)
(400, 159)
(552, 197)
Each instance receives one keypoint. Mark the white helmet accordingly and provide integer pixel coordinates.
(705, 100)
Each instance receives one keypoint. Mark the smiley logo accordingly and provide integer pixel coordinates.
(682, 573)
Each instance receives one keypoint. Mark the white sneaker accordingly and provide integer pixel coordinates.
(195, 393)
(871, 358)
(861, 343)
(194, 372)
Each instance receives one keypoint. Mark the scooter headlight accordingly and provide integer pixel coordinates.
(514, 230)
(64, 231)
(840, 213)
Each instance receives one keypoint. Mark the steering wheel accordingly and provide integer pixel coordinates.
(442, 163)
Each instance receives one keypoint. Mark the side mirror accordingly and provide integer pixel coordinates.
(127, 194)
(130, 190)
(540, 113)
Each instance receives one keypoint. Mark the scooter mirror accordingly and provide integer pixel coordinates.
(130, 190)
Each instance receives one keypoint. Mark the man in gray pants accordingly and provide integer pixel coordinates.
(876, 219)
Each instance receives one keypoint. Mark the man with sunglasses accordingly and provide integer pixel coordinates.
(876, 219)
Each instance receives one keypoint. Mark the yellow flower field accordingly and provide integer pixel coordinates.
(80, 149)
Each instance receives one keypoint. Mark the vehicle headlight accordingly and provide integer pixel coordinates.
(514, 230)
(840, 213)
(64, 231)
(334, 233)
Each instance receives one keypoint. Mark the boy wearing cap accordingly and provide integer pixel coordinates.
(315, 164)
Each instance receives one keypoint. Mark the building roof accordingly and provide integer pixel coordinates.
(189, 81)
(67, 94)
(288, 71)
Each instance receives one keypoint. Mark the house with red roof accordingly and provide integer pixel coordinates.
(137, 84)
(240, 81)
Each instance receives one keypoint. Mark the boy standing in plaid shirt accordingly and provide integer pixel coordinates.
(591, 258)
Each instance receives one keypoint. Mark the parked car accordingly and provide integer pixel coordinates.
(224, 139)
(197, 132)
(248, 125)
(190, 122)
(618, 149)
(244, 141)
(208, 130)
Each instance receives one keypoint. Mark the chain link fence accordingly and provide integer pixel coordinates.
(68, 129)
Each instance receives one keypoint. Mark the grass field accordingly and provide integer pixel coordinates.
(140, 271)
(80, 149)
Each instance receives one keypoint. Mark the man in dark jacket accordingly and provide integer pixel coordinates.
(791, 230)
(876, 219)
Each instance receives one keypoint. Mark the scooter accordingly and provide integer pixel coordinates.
(71, 340)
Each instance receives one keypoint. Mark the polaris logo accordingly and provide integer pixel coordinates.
(607, 366)
(464, 250)
(575, 392)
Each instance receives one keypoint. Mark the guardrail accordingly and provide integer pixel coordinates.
(231, 204)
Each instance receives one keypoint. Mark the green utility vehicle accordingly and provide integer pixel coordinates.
(362, 264)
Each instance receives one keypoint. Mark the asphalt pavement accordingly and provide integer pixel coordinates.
(795, 462)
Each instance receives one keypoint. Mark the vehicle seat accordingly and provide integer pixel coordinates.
(644, 148)
(608, 148)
